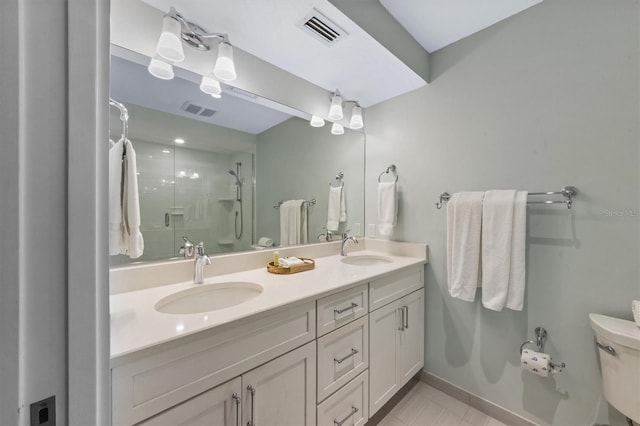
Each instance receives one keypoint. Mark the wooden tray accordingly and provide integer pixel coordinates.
(307, 266)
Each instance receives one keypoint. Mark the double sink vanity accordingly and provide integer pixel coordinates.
(328, 346)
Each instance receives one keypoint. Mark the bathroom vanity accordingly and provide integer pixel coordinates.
(327, 346)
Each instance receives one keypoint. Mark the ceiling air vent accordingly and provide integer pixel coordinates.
(322, 28)
(197, 110)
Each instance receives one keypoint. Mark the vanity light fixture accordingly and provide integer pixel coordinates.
(335, 111)
(179, 141)
(211, 86)
(356, 117)
(176, 30)
(316, 121)
(160, 69)
(337, 129)
(170, 42)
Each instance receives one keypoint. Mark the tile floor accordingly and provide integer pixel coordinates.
(422, 405)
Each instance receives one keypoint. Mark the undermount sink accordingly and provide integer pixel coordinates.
(208, 297)
(365, 260)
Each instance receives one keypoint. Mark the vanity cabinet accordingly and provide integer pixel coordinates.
(396, 338)
(283, 391)
(218, 406)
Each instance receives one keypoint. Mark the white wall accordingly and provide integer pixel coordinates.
(545, 99)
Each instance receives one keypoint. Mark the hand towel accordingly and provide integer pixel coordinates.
(334, 207)
(293, 223)
(115, 198)
(497, 235)
(131, 207)
(387, 207)
(290, 261)
(265, 242)
(517, 273)
(464, 219)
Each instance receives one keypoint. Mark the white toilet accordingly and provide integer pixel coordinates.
(619, 346)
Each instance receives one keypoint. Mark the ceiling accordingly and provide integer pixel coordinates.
(438, 23)
(271, 30)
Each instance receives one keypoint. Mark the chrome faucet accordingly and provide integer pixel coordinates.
(188, 249)
(345, 238)
(327, 236)
(202, 260)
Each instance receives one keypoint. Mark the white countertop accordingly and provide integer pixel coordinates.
(136, 325)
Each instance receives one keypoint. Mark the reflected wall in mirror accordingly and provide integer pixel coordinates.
(190, 147)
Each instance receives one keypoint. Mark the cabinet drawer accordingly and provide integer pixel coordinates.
(385, 290)
(349, 406)
(153, 383)
(341, 308)
(342, 355)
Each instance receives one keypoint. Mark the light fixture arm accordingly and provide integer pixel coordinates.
(194, 31)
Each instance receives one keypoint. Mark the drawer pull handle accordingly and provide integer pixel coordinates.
(252, 392)
(236, 398)
(353, 411)
(343, 310)
(401, 319)
(346, 357)
(608, 349)
(406, 317)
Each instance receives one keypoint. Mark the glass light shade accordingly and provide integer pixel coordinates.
(337, 129)
(316, 121)
(161, 70)
(225, 69)
(210, 85)
(170, 43)
(356, 118)
(216, 95)
(335, 111)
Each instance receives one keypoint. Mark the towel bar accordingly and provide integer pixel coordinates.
(390, 169)
(568, 192)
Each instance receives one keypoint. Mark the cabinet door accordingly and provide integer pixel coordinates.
(282, 392)
(383, 380)
(217, 406)
(410, 339)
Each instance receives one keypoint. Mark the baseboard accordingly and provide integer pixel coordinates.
(489, 408)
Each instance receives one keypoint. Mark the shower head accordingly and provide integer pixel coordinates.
(234, 174)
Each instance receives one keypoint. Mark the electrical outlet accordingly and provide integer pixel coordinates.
(371, 230)
(357, 230)
(43, 413)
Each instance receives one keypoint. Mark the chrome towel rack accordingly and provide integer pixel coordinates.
(567, 193)
(306, 203)
(390, 169)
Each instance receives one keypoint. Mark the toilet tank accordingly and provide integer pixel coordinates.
(621, 368)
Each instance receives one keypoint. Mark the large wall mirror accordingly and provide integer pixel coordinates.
(217, 170)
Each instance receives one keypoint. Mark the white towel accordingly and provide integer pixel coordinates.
(337, 210)
(265, 242)
(517, 273)
(387, 207)
(293, 223)
(464, 221)
(131, 207)
(115, 198)
(497, 237)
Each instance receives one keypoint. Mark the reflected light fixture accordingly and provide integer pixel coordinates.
(335, 111)
(356, 118)
(211, 86)
(170, 43)
(337, 129)
(160, 69)
(179, 141)
(316, 121)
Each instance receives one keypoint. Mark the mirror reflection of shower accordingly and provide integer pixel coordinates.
(238, 227)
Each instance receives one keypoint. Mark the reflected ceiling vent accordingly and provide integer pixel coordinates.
(322, 28)
(197, 110)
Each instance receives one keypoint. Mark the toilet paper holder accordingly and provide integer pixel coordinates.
(541, 337)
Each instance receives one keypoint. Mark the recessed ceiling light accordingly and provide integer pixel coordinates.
(179, 141)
